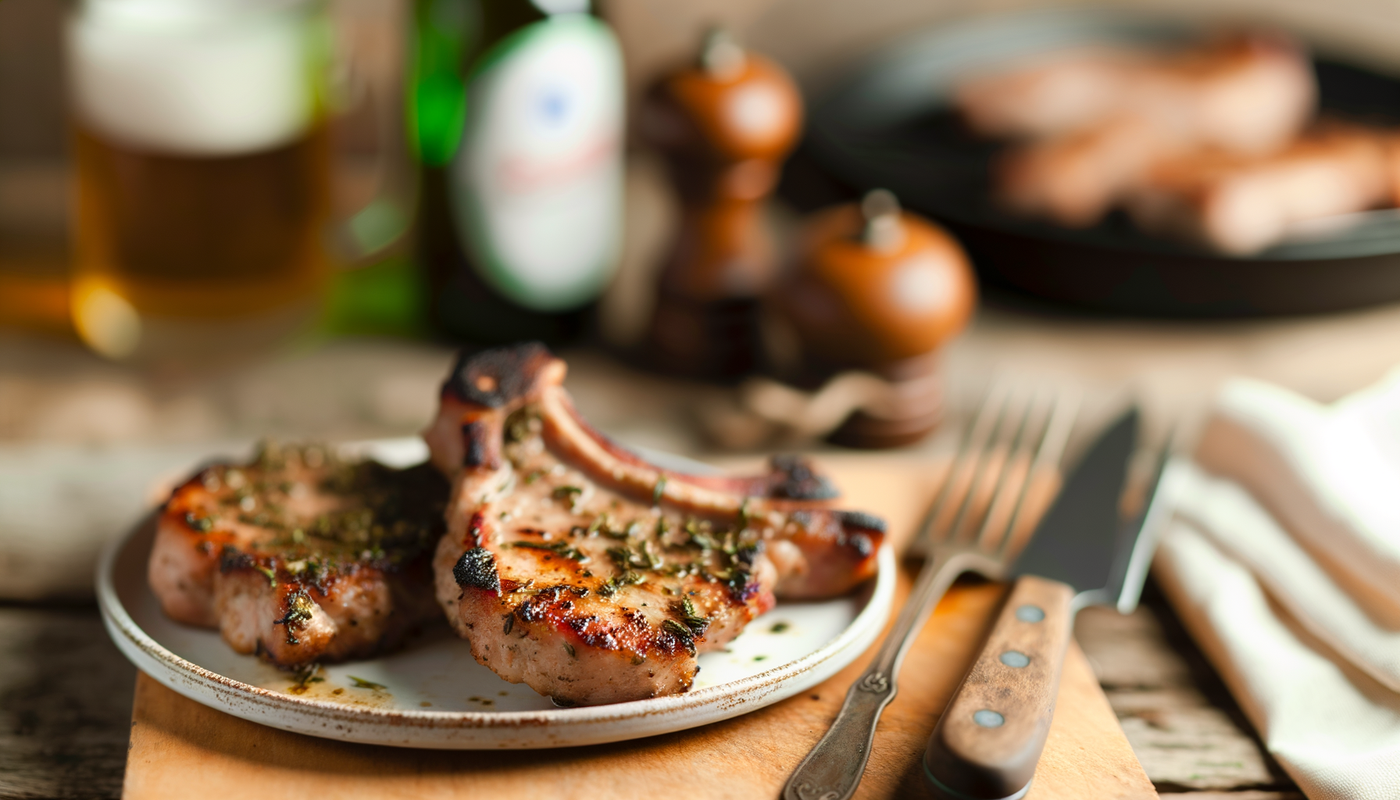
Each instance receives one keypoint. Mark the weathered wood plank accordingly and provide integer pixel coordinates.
(1185, 743)
(1184, 727)
(65, 705)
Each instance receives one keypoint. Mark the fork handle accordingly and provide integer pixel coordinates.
(833, 769)
(989, 739)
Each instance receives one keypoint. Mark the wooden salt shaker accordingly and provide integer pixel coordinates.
(724, 126)
(877, 289)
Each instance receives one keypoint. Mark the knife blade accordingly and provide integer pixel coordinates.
(990, 737)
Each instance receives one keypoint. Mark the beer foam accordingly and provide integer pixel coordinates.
(194, 77)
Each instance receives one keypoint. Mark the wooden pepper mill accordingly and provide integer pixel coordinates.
(724, 125)
(879, 290)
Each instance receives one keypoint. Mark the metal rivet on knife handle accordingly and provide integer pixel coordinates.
(977, 759)
(1015, 658)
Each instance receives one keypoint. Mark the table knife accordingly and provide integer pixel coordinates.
(990, 737)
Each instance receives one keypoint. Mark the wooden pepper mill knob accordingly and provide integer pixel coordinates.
(878, 289)
(724, 125)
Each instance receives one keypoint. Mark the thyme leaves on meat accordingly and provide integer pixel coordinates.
(299, 610)
(520, 425)
(201, 524)
(600, 524)
(561, 548)
(611, 586)
(696, 623)
(567, 492)
(628, 559)
(681, 633)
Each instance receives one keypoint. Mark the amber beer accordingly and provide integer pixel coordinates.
(202, 167)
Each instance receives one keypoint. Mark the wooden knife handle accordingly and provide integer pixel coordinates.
(990, 737)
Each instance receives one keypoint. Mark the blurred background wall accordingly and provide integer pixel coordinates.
(819, 38)
(814, 38)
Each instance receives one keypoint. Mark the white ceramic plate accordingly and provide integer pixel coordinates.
(434, 694)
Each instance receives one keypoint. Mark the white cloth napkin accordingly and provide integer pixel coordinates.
(1283, 560)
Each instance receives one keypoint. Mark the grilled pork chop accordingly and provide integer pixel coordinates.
(299, 555)
(572, 565)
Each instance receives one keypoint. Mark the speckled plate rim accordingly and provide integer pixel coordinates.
(469, 730)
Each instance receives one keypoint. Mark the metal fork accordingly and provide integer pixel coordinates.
(1016, 438)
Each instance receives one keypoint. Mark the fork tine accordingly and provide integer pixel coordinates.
(1014, 471)
(966, 461)
(1064, 410)
(991, 465)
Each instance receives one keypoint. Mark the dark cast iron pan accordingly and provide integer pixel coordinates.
(889, 126)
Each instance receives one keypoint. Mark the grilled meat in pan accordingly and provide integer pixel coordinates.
(576, 567)
(1242, 204)
(301, 556)
(1117, 114)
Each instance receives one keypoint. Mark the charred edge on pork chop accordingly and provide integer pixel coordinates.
(593, 576)
(301, 556)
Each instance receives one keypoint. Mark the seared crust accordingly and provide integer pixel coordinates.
(301, 557)
(593, 576)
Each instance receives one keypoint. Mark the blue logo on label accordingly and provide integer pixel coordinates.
(554, 106)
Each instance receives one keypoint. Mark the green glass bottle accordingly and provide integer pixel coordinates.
(516, 115)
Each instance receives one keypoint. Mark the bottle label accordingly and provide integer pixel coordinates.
(536, 185)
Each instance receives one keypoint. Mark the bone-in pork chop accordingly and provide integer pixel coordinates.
(576, 567)
(301, 556)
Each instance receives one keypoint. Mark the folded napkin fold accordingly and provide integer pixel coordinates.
(1283, 560)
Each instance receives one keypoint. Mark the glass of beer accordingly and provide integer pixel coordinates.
(203, 171)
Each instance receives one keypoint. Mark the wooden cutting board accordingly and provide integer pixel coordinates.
(181, 749)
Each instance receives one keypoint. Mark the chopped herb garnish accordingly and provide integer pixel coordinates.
(520, 425)
(299, 609)
(568, 648)
(779, 627)
(660, 490)
(698, 537)
(611, 585)
(652, 559)
(567, 492)
(693, 621)
(620, 556)
(271, 576)
(304, 676)
(681, 632)
(599, 525)
(562, 548)
(201, 524)
(361, 683)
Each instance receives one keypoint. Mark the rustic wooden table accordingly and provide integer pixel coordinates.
(65, 692)
(65, 706)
